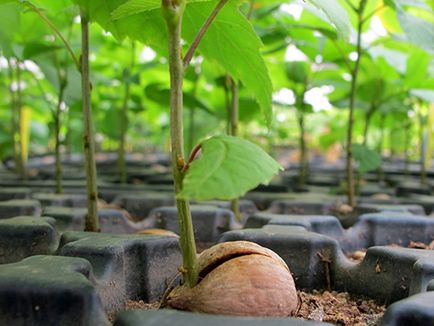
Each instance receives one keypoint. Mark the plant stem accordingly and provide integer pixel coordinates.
(251, 9)
(124, 119)
(234, 108)
(407, 126)
(57, 124)
(303, 162)
(423, 174)
(62, 78)
(344, 57)
(202, 32)
(192, 157)
(173, 11)
(227, 89)
(191, 124)
(123, 114)
(19, 138)
(68, 138)
(91, 221)
(14, 119)
(303, 153)
(354, 74)
(192, 115)
(368, 118)
(374, 12)
(234, 112)
(380, 145)
(351, 5)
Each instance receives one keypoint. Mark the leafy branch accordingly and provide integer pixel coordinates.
(354, 75)
(54, 29)
(348, 2)
(374, 12)
(202, 31)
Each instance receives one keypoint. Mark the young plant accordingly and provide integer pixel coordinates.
(235, 105)
(91, 220)
(16, 111)
(227, 154)
(298, 72)
(123, 115)
(233, 110)
(61, 82)
(354, 74)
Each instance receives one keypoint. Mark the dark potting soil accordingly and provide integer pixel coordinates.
(332, 307)
(339, 308)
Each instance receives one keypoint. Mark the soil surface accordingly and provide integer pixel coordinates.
(332, 307)
(134, 305)
(339, 308)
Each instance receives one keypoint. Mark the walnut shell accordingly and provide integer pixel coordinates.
(239, 278)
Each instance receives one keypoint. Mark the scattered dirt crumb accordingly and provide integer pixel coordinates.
(294, 210)
(381, 196)
(133, 305)
(357, 255)
(344, 209)
(339, 308)
(421, 245)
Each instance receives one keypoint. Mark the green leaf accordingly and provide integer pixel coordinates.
(156, 93)
(366, 158)
(396, 59)
(397, 4)
(33, 49)
(9, 16)
(133, 7)
(390, 3)
(417, 68)
(228, 168)
(336, 14)
(230, 41)
(249, 110)
(297, 71)
(418, 31)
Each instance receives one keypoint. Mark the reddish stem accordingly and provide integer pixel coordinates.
(192, 156)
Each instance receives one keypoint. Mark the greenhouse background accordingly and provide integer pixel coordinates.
(212, 130)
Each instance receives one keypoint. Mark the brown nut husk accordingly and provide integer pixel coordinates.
(239, 278)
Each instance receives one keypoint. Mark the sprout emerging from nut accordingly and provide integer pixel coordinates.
(239, 278)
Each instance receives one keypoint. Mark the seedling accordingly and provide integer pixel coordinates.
(82, 64)
(225, 161)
